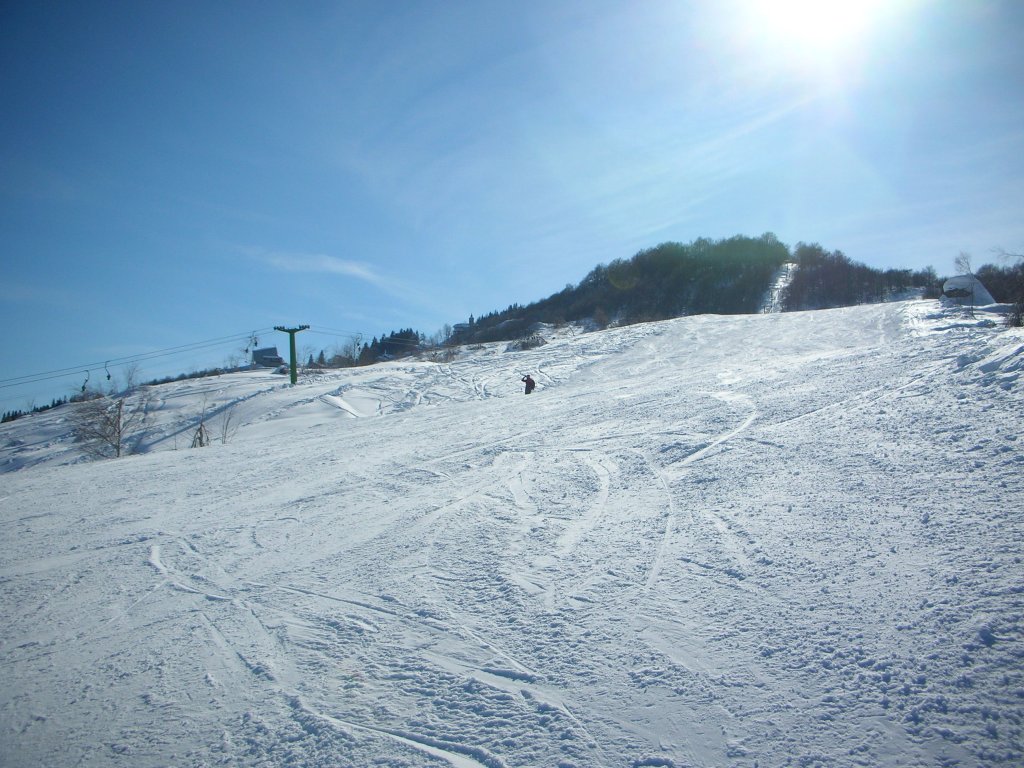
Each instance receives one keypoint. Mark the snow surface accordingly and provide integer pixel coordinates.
(777, 539)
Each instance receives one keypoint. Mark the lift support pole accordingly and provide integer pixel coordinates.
(291, 346)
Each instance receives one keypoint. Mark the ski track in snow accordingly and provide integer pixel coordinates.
(785, 539)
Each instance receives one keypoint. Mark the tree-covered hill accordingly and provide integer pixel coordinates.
(706, 276)
(730, 276)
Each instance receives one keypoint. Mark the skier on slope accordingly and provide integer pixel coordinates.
(530, 383)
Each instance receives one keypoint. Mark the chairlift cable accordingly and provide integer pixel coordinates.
(128, 359)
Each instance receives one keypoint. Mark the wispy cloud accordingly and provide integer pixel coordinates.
(321, 264)
(324, 264)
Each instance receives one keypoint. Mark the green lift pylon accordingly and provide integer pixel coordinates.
(291, 346)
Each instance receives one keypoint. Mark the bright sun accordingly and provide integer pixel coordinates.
(816, 30)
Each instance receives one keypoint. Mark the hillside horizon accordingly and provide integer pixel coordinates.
(734, 275)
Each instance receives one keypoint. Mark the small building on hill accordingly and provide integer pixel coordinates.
(967, 290)
(267, 358)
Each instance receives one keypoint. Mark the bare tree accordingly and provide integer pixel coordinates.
(201, 437)
(1005, 255)
(132, 373)
(350, 349)
(228, 425)
(109, 426)
(962, 264)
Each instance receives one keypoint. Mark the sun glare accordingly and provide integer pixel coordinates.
(815, 31)
(819, 22)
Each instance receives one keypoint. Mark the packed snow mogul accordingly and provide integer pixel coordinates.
(530, 383)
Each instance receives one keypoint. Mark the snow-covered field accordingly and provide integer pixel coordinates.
(782, 539)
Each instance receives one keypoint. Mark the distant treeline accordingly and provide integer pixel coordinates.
(17, 414)
(828, 279)
(1006, 284)
(396, 344)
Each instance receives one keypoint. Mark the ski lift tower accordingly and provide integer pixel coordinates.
(291, 346)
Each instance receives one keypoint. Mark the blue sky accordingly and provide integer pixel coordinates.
(172, 173)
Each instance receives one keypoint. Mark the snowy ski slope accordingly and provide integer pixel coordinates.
(779, 539)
